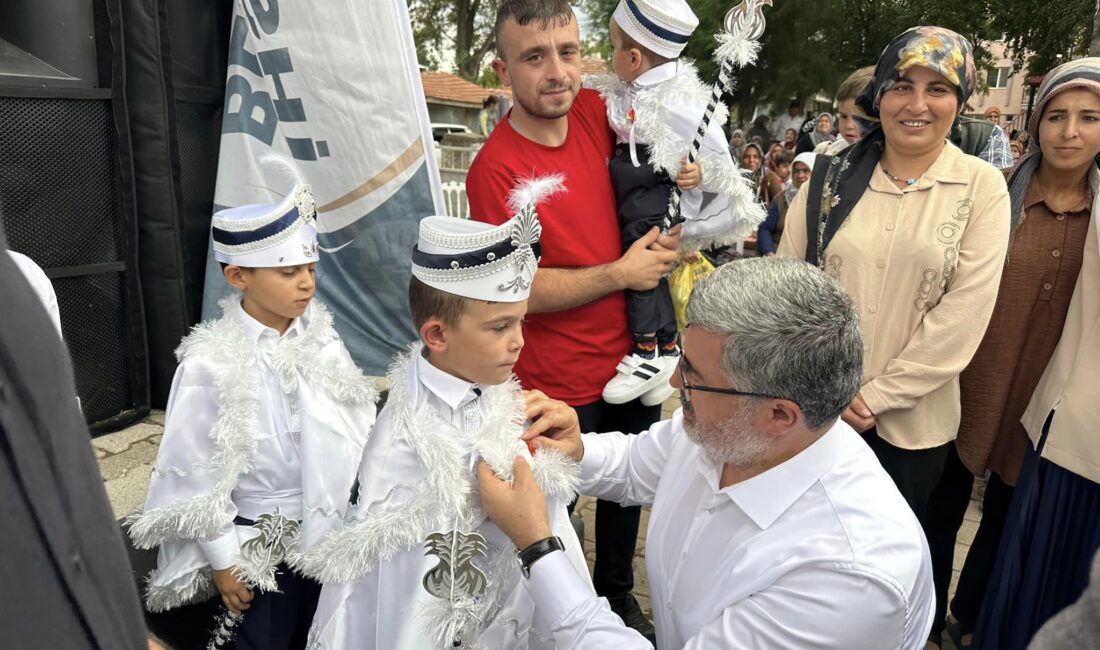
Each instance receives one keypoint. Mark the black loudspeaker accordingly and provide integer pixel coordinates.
(65, 199)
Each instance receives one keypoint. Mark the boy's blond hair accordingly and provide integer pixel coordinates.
(855, 83)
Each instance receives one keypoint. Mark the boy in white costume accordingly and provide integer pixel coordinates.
(418, 566)
(264, 426)
(655, 103)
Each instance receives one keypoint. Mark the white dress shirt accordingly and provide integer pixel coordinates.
(275, 482)
(783, 122)
(818, 552)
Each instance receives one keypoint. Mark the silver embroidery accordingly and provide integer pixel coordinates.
(270, 547)
(455, 576)
(526, 230)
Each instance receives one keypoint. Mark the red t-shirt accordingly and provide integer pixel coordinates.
(569, 355)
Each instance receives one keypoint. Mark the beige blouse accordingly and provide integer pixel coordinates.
(1071, 384)
(923, 265)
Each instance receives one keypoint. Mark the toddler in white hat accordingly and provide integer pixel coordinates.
(655, 103)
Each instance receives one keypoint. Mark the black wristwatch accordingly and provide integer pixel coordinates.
(543, 547)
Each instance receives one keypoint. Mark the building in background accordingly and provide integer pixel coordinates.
(1004, 90)
(454, 100)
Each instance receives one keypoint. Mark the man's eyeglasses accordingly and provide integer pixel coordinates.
(687, 388)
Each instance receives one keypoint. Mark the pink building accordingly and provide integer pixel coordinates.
(1005, 90)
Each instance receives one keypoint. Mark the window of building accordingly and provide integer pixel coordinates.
(998, 77)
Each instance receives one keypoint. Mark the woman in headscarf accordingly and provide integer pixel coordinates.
(769, 158)
(1053, 526)
(1051, 216)
(770, 232)
(737, 144)
(815, 132)
(766, 183)
(916, 232)
(790, 140)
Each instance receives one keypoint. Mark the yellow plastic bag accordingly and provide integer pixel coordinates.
(682, 280)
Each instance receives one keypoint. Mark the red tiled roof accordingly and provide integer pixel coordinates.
(452, 88)
(593, 65)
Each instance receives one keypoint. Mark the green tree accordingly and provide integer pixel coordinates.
(464, 26)
(810, 46)
(1042, 34)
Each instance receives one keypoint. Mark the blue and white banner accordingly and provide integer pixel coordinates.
(335, 85)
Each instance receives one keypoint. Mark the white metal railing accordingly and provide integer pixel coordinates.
(455, 200)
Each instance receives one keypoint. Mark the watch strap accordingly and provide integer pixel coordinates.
(538, 549)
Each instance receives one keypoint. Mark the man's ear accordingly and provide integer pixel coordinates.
(636, 59)
(501, 68)
(434, 334)
(234, 275)
(779, 417)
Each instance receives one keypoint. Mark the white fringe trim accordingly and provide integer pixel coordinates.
(162, 598)
(447, 492)
(733, 47)
(225, 347)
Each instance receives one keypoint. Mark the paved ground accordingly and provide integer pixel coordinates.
(126, 461)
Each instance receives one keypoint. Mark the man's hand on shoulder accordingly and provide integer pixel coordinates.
(554, 425)
(519, 508)
(644, 264)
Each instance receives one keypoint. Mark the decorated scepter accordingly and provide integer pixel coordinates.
(267, 550)
(737, 46)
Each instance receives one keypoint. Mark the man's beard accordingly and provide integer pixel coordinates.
(534, 109)
(732, 441)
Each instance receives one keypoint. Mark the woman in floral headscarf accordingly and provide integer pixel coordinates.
(916, 232)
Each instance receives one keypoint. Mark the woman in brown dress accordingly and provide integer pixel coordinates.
(1051, 208)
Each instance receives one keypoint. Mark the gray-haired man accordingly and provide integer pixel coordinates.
(772, 523)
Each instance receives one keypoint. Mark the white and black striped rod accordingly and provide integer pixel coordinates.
(224, 629)
(745, 22)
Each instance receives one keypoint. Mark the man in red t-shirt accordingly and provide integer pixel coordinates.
(576, 331)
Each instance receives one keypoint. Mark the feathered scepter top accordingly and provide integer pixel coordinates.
(737, 47)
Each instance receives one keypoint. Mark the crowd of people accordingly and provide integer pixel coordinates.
(924, 310)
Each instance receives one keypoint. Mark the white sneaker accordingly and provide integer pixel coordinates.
(657, 395)
(636, 376)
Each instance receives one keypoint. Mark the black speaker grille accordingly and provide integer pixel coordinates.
(93, 317)
(60, 203)
(58, 191)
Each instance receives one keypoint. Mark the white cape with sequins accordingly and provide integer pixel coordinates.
(212, 426)
(417, 478)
